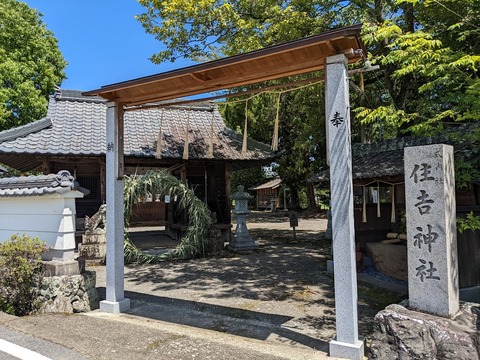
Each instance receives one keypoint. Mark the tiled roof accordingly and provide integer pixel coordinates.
(75, 125)
(12, 134)
(39, 185)
(272, 184)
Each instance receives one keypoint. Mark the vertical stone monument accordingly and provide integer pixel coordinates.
(346, 343)
(431, 229)
(242, 239)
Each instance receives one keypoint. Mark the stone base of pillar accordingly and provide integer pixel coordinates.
(240, 243)
(236, 248)
(115, 307)
(59, 255)
(344, 350)
(61, 268)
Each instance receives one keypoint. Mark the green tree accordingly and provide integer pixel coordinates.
(248, 178)
(430, 66)
(427, 50)
(302, 133)
(30, 64)
(213, 28)
(207, 29)
(302, 140)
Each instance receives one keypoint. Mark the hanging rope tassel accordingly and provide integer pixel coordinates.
(185, 148)
(364, 206)
(210, 149)
(244, 145)
(158, 154)
(393, 218)
(275, 127)
(378, 200)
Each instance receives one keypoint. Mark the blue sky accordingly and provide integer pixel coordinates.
(101, 41)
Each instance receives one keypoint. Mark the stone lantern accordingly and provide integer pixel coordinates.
(242, 239)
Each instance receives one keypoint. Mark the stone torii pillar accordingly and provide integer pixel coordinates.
(346, 343)
(115, 300)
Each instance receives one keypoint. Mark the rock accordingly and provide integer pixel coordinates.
(68, 294)
(400, 333)
(93, 298)
(90, 279)
(60, 304)
(390, 259)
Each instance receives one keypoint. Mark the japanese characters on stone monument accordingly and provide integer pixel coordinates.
(431, 229)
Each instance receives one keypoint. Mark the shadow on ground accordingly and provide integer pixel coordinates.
(246, 323)
(278, 217)
(281, 292)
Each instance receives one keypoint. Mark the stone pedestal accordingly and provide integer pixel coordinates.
(93, 246)
(346, 350)
(242, 239)
(64, 268)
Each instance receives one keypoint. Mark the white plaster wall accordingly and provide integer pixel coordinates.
(51, 218)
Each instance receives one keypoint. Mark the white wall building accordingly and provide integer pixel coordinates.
(41, 206)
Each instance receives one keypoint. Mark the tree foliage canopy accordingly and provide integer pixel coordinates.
(207, 29)
(30, 64)
(430, 62)
(428, 51)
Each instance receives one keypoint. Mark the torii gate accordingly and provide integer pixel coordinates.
(331, 51)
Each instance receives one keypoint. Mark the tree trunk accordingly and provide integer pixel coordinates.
(311, 203)
(294, 199)
(409, 18)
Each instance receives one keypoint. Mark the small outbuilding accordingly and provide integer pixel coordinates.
(267, 194)
(41, 206)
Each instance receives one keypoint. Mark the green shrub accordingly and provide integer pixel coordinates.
(21, 270)
(470, 222)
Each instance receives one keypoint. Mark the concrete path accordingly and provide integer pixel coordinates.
(102, 336)
(16, 344)
(276, 303)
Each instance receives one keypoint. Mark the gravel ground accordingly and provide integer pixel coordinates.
(281, 292)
